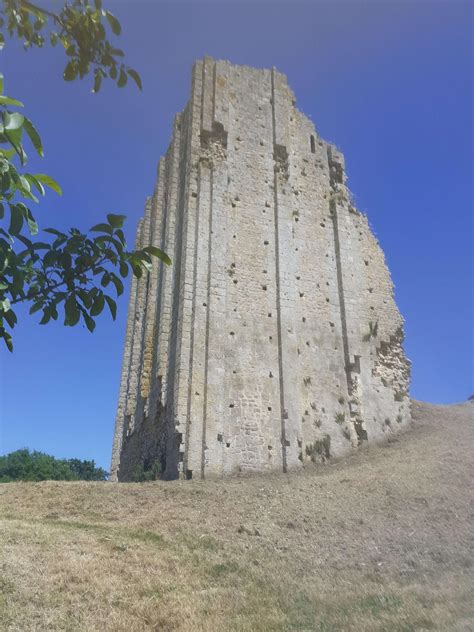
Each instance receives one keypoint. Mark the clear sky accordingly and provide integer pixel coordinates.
(389, 82)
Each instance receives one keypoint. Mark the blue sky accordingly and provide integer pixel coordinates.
(389, 82)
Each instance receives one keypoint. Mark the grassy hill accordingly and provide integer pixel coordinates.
(379, 541)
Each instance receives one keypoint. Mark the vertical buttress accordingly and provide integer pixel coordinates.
(120, 417)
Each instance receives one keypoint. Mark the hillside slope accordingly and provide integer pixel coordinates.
(380, 541)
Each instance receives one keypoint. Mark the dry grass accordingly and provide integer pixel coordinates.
(379, 541)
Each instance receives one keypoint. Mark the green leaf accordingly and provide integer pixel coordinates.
(49, 182)
(116, 221)
(71, 311)
(46, 317)
(65, 260)
(90, 323)
(7, 153)
(53, 231)
(14, 138)
(8, 340)
(37, 245)
(32, 225)
(118, 284)
(5, 305)
(157, 252)
(136, 77)
(112, 306)
(18, 280)
(114, 23)
(35, 182)
(98, 305)
(118, 245)
(71, 70)
(121, 236)
(137, 269)
(25, 185)
(13, 121)
(11, 318)
(34, 136)
(123, 269)
(36, 307)
(86, 297)
(30, 8)
(102, 228)
(1, 83)
(122, 78)
(9, 101)
(16, 220)
(50, 258)
(97, 82)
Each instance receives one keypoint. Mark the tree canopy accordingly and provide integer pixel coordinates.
(77, 271)
(23, 465)
(80, 28)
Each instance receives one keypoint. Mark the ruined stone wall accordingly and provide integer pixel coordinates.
(274, 338)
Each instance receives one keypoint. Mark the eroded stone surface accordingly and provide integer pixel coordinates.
(274, 338)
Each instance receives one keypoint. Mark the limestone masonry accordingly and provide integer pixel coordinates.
(273, 340)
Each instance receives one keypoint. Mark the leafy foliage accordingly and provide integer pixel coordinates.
(148, 471)
(74, 270)
(80, 28)
(373, 331)
(86, 470)
(24, 465)
(64, 269)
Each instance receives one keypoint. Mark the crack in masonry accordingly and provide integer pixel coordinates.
(278, 287)
(179, 263)
(206, 354)
(335, 171)
(193, 318)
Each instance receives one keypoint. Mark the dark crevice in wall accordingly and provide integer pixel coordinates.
(351, 369)
(340, 284)
(206, 353)
(179, 163)
(280, 157)
(140, 401)
(193, 318)
(137, 345)
(162, 272)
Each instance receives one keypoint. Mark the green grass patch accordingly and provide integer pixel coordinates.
(223, 569)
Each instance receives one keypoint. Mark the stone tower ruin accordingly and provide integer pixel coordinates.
(273, 340)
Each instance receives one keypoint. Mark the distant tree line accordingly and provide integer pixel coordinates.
(24, 465)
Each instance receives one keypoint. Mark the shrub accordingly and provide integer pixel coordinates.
(147, 471)
(320, 449)
(373, 331)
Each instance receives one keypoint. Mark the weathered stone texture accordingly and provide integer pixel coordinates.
(274, 338)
